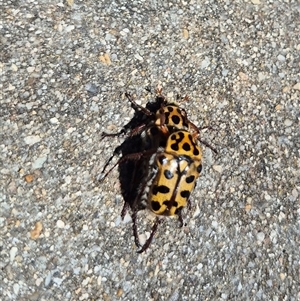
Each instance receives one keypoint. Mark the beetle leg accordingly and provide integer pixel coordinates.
(134, 156)
(120, 133)
(117, 151)
(149, 240)
(138, 107)
(134, 228)
(180, 218)
(208, 145)
(124, 210)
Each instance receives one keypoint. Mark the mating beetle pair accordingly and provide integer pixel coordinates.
(165, 165)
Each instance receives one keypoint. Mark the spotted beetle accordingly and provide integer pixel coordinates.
(166, 165)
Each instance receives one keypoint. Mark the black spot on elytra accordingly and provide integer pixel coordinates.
(178, 137)
(167, 115)
(185, 194)
(160, 189)
(181, 136)
(170, 109)
(170, 204)
(186, 146)
(175, 119)
(169, 175)
(175, 147)
(173, 137)
(190, 179)
(155, 205)
(196, 152)
(199, 168)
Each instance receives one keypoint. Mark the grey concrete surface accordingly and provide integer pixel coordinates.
(65, 66)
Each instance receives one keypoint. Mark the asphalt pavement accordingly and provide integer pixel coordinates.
(65, 66)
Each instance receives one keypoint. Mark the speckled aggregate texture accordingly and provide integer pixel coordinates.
(64, 69)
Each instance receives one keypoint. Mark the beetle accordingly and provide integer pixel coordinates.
(160, 163)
